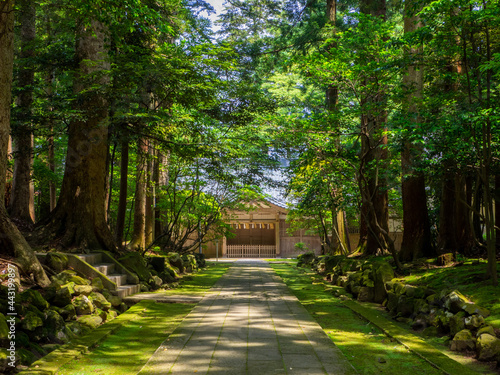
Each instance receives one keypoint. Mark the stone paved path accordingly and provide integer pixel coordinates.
(249, 323)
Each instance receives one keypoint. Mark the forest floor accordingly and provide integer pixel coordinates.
(354, 335)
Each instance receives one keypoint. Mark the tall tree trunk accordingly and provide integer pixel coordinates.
(331, 101)
(11, 240)
(463, 227)
(161, 180)
(150, 214)
(79, 219)
(497, 210)
(138, 232)
(374, 150)
(22, 204)
(122, 200)
(447, 240)
(416, 225)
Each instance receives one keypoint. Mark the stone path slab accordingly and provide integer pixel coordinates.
(248, 323)
(161, 298)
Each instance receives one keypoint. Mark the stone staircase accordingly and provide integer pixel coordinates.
(112, 273)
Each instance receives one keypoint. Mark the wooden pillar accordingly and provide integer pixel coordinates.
(277, 234)
(223, 248)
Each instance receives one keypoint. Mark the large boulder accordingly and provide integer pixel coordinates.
(382, 273)
(365, 294)
(158, 263)
(463, 340)
(69, 276)
(200, 260)
(137, 264)
(56, 261)
(488, 348)
(455, 301)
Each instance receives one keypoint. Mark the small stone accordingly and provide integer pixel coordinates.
(83, 305)
(381, 360)
(83, 289)
(100, 301)
(455, 301)
(474, 321)
(31, 321)
(68, 312)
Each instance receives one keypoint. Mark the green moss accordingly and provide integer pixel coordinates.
(362, 342)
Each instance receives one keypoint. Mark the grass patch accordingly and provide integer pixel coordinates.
(129, 348)
(199, 283)
(368, 349)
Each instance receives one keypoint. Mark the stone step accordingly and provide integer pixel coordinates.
(105, 268)
(127, 290)
(92, 258)
(118, 279)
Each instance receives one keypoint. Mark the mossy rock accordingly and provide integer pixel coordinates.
(68, 312)
(100, 301)
(97, 285)
(101, 313)
(115, 301)
(75, 328)
(176, 261)
(455, 301)
(173, 271)
(26, 357)
(365, 294)
(136, 263)
(53, 321)
(56, 261)
(31, 321)
(167, 277)
(83, 305)
(392, 303)
(405, 306)
(90, 321)
(34, 297)
(64, 294)
(200, 260)
(69, 276)
(155, 282)
(472, 308)
(462, 341)
(110, 315)
(486, 329)
(83, 289)
(421, 306)
(4, 359)
(474, 321)
(457, 323)
(488, 348)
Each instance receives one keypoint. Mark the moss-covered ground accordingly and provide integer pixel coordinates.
(145, 326)
(367, 347)
(467, 276)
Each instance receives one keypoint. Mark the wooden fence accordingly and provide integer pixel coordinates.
(251, 251)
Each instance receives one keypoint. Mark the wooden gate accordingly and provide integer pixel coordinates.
(251, 251)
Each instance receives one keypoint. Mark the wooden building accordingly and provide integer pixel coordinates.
(261, 233)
